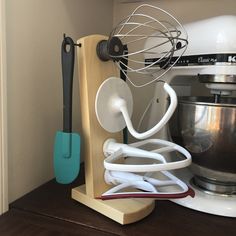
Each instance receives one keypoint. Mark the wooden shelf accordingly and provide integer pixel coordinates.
(50, 208)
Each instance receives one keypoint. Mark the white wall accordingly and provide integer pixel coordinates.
(34, 84)
(185, 11)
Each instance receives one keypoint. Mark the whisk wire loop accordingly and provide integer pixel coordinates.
(154, 44)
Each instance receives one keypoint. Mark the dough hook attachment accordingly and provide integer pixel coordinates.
(114, 104)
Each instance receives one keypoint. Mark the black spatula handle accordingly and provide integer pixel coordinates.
(67, 60)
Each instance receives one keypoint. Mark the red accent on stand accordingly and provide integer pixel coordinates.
(159, 196)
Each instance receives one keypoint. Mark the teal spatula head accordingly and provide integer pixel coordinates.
(66, 157)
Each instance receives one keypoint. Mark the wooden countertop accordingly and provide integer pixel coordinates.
(49, 210)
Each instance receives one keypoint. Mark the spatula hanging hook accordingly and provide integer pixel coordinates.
(75, 44)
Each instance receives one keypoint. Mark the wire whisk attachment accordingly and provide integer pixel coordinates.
(155, 40)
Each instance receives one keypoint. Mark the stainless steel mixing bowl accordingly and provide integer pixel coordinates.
(208, 131)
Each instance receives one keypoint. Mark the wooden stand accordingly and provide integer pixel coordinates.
(92, 72)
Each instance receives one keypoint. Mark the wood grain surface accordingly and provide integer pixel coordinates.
(92, 72)
(21, 223)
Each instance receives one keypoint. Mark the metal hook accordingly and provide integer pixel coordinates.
(75, 44)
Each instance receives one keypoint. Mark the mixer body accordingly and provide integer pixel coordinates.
(205, 119)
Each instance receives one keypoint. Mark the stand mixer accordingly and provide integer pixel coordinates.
(205, 125)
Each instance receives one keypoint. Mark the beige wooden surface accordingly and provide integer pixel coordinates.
(92, 72)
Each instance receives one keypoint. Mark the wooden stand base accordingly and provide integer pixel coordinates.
(92, 73)
(123, 211)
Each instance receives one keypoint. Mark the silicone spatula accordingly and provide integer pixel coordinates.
(67, 144)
